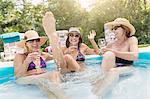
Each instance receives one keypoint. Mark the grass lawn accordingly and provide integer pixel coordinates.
(143, 45)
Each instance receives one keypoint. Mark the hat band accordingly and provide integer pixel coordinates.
(32, 38)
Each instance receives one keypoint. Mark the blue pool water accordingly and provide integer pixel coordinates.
(77, 85)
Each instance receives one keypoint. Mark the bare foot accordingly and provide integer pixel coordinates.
(106, 84)
(48, 23)
(52, 90)
(97, 86)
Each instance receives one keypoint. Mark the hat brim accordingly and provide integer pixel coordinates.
(22, 42)
(74, 32)
(110, 25)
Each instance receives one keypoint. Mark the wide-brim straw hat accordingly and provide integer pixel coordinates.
(30, 35)
(121, 21)
(74, 29)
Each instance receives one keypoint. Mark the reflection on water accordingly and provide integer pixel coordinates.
(135, 86)
(12, 90)
(78, 85)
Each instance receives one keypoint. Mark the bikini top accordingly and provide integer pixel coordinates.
(80, 56)
(33, 66)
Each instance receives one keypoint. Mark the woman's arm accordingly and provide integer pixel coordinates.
(92, 41)
(20, 65)
(133, 54)
(88, 50)
(133, 50)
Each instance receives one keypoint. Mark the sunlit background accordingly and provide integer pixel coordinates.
(86, 4)
(21, 15)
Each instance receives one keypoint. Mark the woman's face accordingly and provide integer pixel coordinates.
(33, 45)
(119, 32)
(74, 38)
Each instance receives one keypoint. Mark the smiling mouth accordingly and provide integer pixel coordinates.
(74, 40)
(35, 46)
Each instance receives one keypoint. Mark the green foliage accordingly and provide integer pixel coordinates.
(69, 13)
(143, 45)
(1, 46)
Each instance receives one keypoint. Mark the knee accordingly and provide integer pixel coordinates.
(68, 57)
(56, 73)
(54, 76)
(114, 71)
(109, 55)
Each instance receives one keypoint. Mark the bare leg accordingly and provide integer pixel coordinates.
(61, 61)
(108, 61)
(47, 82)
(122, 71)
(102, 84)
(50, 29)
(72, 64)
(111, 74)
(52, 90)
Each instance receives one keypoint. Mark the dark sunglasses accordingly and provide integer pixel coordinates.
(116, 27)
(31, 41)
(74, 35)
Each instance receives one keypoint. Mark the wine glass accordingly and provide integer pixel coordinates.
(101, 42)
(37, 61)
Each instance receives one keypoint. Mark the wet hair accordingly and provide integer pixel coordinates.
(68, 43)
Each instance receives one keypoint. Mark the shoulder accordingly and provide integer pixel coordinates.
(20, 56)
(132, 39)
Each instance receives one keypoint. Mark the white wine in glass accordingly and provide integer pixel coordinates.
(101, 42)
(37, 61)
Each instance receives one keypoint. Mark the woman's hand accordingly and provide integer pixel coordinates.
(72, 49)
(36, 71)
(32, 56)
(92, 35)
(104, 49)
(39, 71)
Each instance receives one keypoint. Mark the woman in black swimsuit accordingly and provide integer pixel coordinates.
(121, 53)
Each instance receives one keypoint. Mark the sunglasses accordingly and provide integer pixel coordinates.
(31, 41)
(116, 27)
(74, 35)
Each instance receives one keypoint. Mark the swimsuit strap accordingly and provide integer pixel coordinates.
(80, 56)
(32, 64)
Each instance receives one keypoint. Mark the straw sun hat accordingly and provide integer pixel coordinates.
(74, 29)
(121, 21)
(30, 35)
